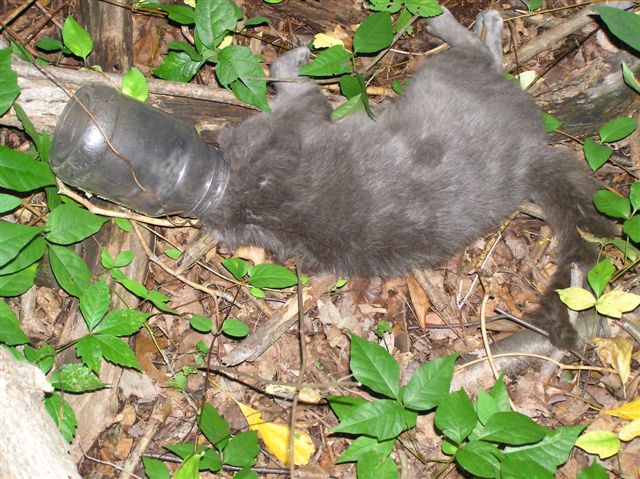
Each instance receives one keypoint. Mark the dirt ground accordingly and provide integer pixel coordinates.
(511, 266)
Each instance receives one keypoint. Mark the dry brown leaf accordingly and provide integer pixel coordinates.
(617, 353)
(419, 300)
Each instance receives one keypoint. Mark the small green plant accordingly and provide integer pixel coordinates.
(260, 276)
(239, 451)
(214, 20)
(485, 438)
(75, 41)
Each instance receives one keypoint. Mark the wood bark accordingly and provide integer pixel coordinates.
(31, 445)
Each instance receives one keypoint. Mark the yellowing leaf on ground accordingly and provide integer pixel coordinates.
(191, 3)
(617, 353)
(322, 40)
(603, 443)
(629, 411)
(616, 302)
(576, 298)
(276, 438)
(526, 78)
(308, 395)
(630, 431)
(226, 41)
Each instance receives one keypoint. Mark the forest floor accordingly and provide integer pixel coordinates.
(510, 267)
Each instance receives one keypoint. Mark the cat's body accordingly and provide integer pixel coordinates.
(439, 167)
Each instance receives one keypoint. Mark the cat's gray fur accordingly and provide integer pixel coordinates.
(439, 167)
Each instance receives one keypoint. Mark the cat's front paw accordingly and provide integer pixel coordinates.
(287, 65)
(488, 24)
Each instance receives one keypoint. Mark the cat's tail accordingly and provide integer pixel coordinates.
(565, 193)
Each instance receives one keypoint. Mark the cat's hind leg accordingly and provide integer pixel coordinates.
(446, 27)
(285, 73)
(488, 28)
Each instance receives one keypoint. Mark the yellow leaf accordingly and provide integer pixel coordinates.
(322, 40)
(629, 411)
(226, 41)
(603, 443)
(576, 298)
(617, 353)
(191, 3)
(307, 395)
(526, 78)
(276, 438)
(616, 302)
(630, 431)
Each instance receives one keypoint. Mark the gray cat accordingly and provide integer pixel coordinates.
(439, 167)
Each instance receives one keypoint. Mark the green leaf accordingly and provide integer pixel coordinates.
(398, 87)
(512, 428)
(634, 196)
(255, 21)
(94, 303)
(630, 78)
(8, 202)
(19, 172)
(247, 473)
(383, 419)
(173, 253)
(116, 351)
(456, 416)
(533, 5)
(600, 275)
(106, 259)
(155, 469)
(11, 333)
(214, 427)
(595, 153)
(332, 61)
(70, 270)
(122, 322)
(9, 88)
(375, 466)
(159, 300)
(612, 204)
(17, 283)
(49, 44)
(550, 452)
(271, 276)
(479, 458)
(342, 406)
(178, 66)
(374, 367)
(189, 468)
(211, 461)
(89, 350)
(624, 25)
(550, 123)
(76, 38)
(38, 140)
(134, 84)
(62, 415)
(594, 471)
(202, 324)
(430, 384)
(242, 449)
(617, 129)
(214, 18)
(518, 469)
(21, 52)
(131, 285)
(351, 106)
(76, 378)
(70, 224)
(123, 223)
(239, 68)
(603, 443)
(43, 357)
(14, 237)
(391, 6)
(362, 445)
(237, 267)
(500, 394)
(486, 406)
(631, 228)
(234, 328)
(424, 8)
(123, 259)
(181, 14)
(375, 33)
